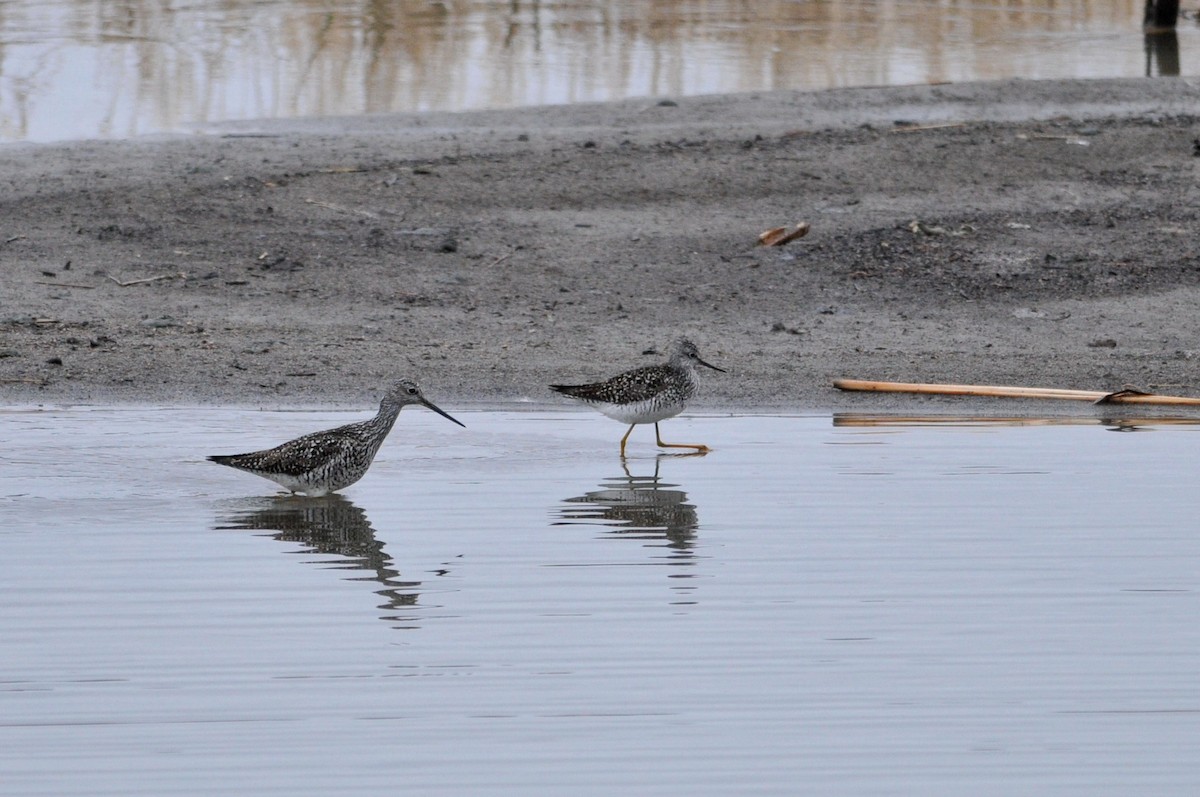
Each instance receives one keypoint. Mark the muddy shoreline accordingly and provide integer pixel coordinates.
(1027, 233)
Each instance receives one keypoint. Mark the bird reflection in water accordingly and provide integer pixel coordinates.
(333, 525)
(640, 508)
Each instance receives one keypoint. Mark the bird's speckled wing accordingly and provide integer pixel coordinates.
(631, 387)
(296, 457)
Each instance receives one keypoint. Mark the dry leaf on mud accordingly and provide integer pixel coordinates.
(778, 236)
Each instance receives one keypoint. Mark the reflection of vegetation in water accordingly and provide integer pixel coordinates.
(639, 508)
(156, 66)
(332, 525)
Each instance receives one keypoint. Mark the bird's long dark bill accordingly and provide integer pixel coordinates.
(443, 413)
(710, 365)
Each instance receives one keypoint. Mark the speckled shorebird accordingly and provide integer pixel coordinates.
(322, 462)
(647, 395)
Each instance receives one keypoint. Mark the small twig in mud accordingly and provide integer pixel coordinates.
(499, 260)
(14, 238)
(340, 209)
(144, 280)
(63, 284)
(1049, 137)
(917, 128)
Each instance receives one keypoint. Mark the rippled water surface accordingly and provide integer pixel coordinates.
(117, 68)
(819, 606)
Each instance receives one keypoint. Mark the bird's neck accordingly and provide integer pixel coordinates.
(386, 418)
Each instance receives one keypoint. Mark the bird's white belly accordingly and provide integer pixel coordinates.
(294, 484)
(639, 411)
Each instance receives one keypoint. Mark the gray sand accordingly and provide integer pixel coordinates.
(1030, 233)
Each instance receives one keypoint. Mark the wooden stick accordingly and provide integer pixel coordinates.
(855, 420)
(1004, 391)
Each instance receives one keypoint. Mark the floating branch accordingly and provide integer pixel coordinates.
(1004, 391)
(859, 420)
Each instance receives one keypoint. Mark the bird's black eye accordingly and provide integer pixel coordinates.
(412, 391)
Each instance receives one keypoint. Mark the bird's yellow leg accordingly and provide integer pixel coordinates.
(625, 438)
(700, 447)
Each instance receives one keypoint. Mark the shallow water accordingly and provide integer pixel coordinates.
(118, 68)
(910, 608)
